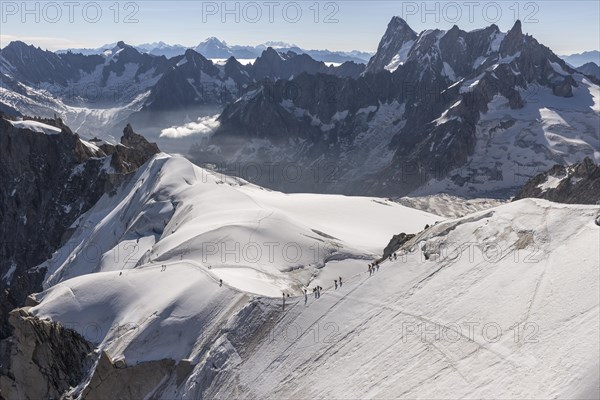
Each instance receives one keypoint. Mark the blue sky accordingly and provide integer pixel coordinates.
(565, 26)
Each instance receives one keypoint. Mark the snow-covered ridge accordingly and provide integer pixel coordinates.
(153, 254)
(36, 126)
(491, 305)
(173, 211)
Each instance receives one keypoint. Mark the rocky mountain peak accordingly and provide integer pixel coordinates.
(17, 44)
(516, 29)
(132, 139)
(198, 61)
(270, 54)
(513, 41)
(494, 28)
(399, 24)
(396, 41)
(213, 48)
(189, 53)
(214, 40)
(232, 61)
(136, 151)
(454, 30)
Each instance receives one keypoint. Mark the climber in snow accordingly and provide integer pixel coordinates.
(335, 282)
(340, 281)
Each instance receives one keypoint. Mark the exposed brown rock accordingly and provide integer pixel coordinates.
(42, 359)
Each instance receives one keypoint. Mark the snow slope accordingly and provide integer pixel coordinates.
(172, 210)
(404, 333)
(78, 112)
(36, 126)
(502, 303)
(203, 227)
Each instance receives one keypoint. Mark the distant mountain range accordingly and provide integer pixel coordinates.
(213, 48)
(590, 68)
(98, 93)
(579, 59)
(472, 113)
(469, 113)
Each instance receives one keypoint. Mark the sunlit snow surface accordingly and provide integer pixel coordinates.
(502, 303)
(36, 126)
(518, 323)
(173, 211)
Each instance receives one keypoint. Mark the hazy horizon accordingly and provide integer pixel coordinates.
(319, 25)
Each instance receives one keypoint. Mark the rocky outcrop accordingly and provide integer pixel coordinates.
(115, 380)
(395, 244)
(48, 181)
(41, 360)
(44, 360)
(133, 153)
(396, 37)
(574, 184)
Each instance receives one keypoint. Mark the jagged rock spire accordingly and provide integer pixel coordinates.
(397, 35)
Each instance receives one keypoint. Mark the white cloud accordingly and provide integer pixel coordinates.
(205, 126)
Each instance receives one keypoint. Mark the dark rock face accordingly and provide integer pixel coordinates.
(35, 65)
(398, 33)
(591, 69)
(445, 82)
(193, 80)
(274, 65)
(48, 181)
(395, 244)
(575, 184)
(32, 65)
(112, 380)
(130, 55)
(42, 360)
